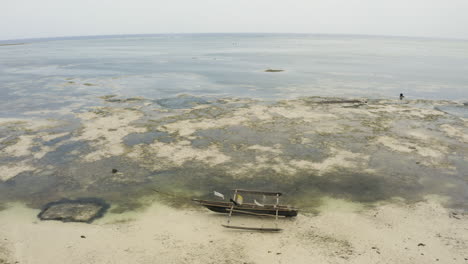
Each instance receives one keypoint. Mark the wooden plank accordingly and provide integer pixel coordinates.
(250, 213)
(254, 228)
(259, 192)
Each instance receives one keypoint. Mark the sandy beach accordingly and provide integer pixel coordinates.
(342, 232)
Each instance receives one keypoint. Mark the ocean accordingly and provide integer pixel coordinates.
(37, 74)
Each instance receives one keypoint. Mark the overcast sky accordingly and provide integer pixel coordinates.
(51, 18)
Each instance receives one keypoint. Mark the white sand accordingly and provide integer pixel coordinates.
(166, 155)
(11, 170)
(30, 124)
(455, 132)
(106, 131)
(401, 145)
(21, 148)
(338, 158)
(276, 149)
(269, 158)
(342, 233)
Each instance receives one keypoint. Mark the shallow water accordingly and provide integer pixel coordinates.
(73, 110)
(50, 74)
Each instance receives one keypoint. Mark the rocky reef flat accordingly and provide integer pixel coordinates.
(362, 150)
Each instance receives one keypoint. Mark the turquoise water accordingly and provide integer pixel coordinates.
(51, 73)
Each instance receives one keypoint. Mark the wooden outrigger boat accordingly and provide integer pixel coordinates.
(270, 210)
(236, 206)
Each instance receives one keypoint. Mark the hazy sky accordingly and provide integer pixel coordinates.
(49, 18)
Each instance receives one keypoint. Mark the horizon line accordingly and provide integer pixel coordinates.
(227, 33)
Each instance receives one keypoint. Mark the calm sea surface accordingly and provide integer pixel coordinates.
(52, 73)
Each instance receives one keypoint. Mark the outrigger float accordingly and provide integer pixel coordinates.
(237, 206)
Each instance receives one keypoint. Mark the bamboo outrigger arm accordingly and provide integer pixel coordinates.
(234, 202)
(258, 192)
(254, 228)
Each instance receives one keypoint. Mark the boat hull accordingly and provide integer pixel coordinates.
(224, 207)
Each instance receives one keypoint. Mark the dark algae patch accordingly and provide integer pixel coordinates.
(79, 210)
(181, 102)
(273, 70)
(12, 44)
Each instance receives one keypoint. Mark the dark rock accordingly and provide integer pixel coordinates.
(83, 237)
(454, 215)
(421, 245)
(107, 96)
(114, 170)
(80, 210)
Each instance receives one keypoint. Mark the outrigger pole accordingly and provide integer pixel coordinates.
(232, 207)
(234, 203)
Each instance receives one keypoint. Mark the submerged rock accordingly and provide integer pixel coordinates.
(124, 100)
(80, 210)
(181, 102)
